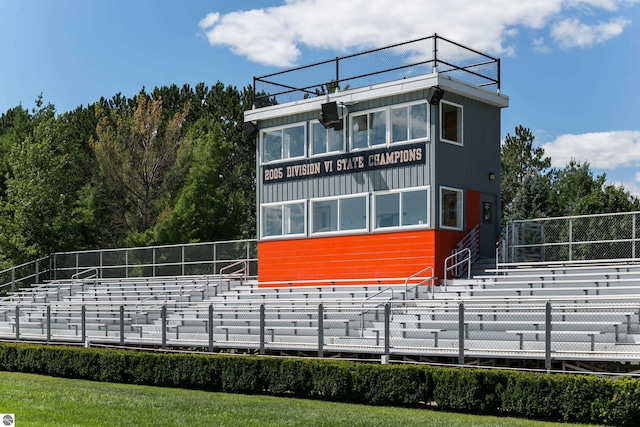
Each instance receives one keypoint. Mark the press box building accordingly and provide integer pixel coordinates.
(377, 165)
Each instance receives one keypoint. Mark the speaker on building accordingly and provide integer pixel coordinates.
(434, 95)
(250, 129)
(330, 116)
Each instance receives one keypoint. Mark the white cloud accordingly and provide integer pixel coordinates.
(638, 177)
(539, 45)
(573, 33)
(603, 150)
(275, 35)
(209, 21)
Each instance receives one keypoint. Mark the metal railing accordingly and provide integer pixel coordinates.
(453, 262)
(573, 239)
(33, 272)
(422, 280)
(380, 304)
(396, 62)
(167, 260)
(539, 331)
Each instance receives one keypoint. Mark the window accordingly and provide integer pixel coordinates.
(369, 129)
(340, 214)
(326, 140)
(402, 208)
(409, 122)
(451, 123)
(283, 143)
(414, 207)
(283, 219)
(451, 208)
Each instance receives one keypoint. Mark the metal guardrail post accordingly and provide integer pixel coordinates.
(153, 261)
(17, 323)
(13, 279)
(122, 325)
(83, 321)
(210, 328)
(48, 323)
(461, 334)
(163, 315)
(547, 337)
(435, 52)
(320, 330)
(37, 278)
(570, 238)
(262, 318)
(215, 247)
(387, 337)
(182, 260)
(633, 234)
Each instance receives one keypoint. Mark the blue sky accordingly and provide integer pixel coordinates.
(571, 68)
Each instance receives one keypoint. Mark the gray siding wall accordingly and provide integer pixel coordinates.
(360, 182)
(464, 167)
(468, 166)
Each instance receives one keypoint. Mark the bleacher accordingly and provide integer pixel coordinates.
(574, 312)
(594, 314)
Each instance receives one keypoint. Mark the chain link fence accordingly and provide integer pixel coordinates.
(576, 238)
(460, 332)
(396, 62)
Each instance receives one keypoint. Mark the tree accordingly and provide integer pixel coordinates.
(519, 160)
(575, 191)
(571, 184)
(42, 213)
(532, 198)
(141, 160)
(217, 201)
(15, 125)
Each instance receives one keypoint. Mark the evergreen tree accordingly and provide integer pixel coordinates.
(518, 160)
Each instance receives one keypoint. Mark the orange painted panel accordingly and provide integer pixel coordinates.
(473, 209)
(376, 255)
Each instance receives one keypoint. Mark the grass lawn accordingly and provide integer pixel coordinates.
(44, 401)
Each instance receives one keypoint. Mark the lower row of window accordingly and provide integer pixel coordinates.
(391, 209)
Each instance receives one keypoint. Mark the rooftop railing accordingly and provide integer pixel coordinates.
(396, 62)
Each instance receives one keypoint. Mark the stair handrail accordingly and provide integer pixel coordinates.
(462, 261)
(430, 278)
(243, 271)
(362, 312)
(472, 241)
(501, 257)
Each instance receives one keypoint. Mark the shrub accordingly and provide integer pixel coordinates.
(578, 398)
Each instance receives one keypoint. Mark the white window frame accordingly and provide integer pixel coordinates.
(311, 144)
(339, 231)
(460, 209)
(460, 124)
(400, 225)
(385, 110)
(282, 129)
(407, 105)
(284, 235)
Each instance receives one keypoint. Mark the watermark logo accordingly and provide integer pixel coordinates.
(8, 420)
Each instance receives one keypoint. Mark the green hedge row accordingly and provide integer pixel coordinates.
(574, 398)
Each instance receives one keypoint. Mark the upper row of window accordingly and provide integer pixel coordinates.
(369, 129)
